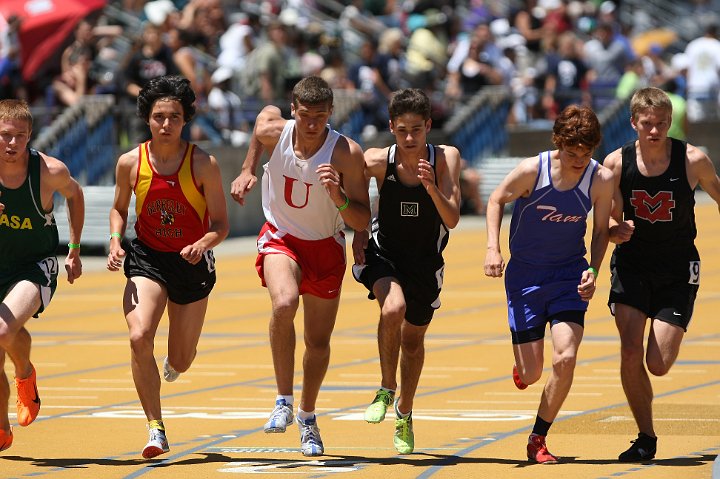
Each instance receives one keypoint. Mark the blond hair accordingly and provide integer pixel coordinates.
(650, 97)
(15, 110)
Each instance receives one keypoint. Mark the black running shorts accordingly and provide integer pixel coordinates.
(185, 282)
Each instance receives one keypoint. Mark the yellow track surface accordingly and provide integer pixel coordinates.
(470, 421)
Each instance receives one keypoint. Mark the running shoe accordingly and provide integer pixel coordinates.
(6, 439)
(404, 439)
(169, 373)
(280, 418)
(643, 449)
(310, 442)
(157, 444)
(538, 452)
(516, 379)
(28, 400)
(375, 412)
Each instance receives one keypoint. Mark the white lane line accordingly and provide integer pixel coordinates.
(218, 413)
(519, 393)
(105, 380)
(46, 397)
(490, 402)
(617, 378)
(84, 389)
(231, 399)
(596, 385)
(677, 367)
(660, 419)
(453, 368)
(597, 378)
(350, 383)
(231, 366)
(84, 406)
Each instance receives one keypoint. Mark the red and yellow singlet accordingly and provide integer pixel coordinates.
(171, 209)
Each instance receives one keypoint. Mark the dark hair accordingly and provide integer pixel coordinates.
(409, 100)
(577, 126)
(312, 90)
(170, 87)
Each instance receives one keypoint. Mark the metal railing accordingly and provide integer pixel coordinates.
(615, 122)
(478, 129)
(84, 138)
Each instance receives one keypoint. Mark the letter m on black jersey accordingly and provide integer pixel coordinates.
(408, 209)
(653, 208)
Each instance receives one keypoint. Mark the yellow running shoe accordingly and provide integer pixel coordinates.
(404, 439)
(375, 412)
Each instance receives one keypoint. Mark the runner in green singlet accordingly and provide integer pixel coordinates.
(28, 241)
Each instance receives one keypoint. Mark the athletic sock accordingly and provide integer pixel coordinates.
(288, 399)
(541, 426)
(156, 424)
(305, 415)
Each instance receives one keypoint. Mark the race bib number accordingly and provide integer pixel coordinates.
(210, 260)
(49, 267)
(694, 272)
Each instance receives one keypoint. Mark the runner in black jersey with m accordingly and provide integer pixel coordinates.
(655, 267)
(402, 264)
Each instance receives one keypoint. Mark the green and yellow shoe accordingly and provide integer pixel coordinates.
(375, 412)
(404, 439)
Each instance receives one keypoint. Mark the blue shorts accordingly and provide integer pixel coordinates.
(538, 295)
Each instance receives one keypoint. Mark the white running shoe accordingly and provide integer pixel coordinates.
(310, 442)
(169, 373)
(158, 444)
(280, 418)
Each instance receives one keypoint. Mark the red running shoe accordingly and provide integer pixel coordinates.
(537, 451)
(516, 379)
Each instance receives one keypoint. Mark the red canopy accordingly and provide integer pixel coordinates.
(46, 24)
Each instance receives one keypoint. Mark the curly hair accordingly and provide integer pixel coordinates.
(170, 87)
(577, 126)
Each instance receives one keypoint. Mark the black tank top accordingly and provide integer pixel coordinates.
(408, 226)
(662, 207)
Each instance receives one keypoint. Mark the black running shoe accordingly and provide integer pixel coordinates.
(643, 449)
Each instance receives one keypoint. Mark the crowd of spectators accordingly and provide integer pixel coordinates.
(240, 55)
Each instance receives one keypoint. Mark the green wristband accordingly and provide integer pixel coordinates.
(115, 235)
(73, 245)
(347, 203)
(593, 271)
